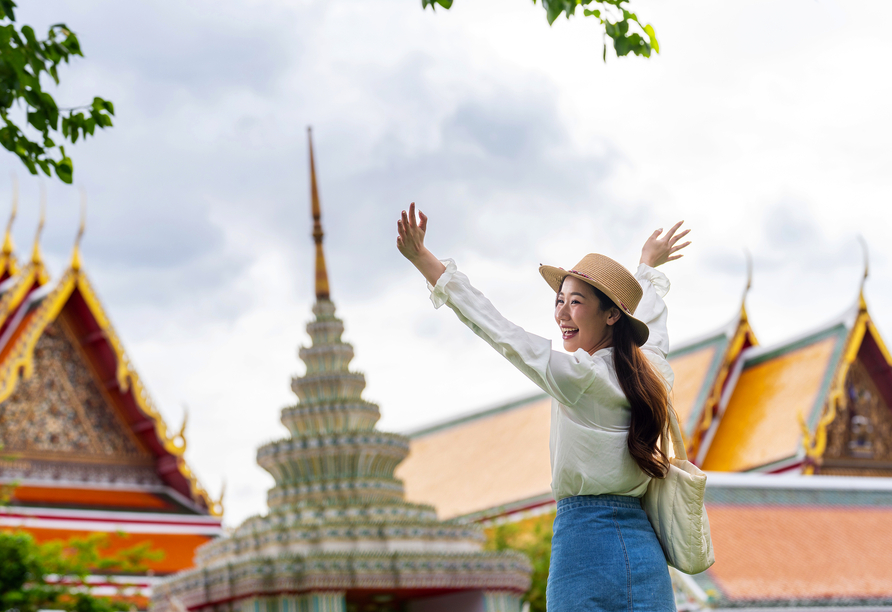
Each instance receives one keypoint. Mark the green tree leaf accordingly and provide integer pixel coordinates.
(612, 15)
(24, 58)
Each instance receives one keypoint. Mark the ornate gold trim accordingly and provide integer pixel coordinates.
(21, 359)
(10, 300)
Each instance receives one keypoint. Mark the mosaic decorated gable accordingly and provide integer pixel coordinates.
(62, 411)
(760, 425)
(71, 406)
(859, 438)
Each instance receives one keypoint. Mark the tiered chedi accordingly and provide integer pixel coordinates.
(339, 534)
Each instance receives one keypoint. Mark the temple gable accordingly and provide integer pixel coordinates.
(859, 440)
(62, 411)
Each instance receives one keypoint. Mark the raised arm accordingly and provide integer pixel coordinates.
(561, 375)
(657, 250)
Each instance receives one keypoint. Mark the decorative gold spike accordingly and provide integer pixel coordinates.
(76, 252)
(36, 257)
(322, 289)
(8, 262)
(217, 507)
(749, 283)
(7, 240)
(177, 442)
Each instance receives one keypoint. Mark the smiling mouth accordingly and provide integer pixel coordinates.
(569, 332)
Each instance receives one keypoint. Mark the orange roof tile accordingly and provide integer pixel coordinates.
(760, 424)
(491, 460)
(108, 498)
(801, 553)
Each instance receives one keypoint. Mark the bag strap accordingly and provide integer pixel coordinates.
(673, 433)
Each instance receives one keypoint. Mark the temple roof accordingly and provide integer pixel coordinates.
(71, 312)
(505, 448)
(781, 398)
(701, 368)
(791, 541)
(759, 422)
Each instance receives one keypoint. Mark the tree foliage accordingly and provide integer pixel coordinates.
(24, 61)
(533, 538)
(54, 575)
(628, 34)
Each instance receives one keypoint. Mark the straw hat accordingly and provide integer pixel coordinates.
(612, 278)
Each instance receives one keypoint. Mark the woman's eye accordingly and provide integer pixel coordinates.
(575, 302)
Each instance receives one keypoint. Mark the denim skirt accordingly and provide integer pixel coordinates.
(605, 556)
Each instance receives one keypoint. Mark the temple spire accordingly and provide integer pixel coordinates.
(322, 291)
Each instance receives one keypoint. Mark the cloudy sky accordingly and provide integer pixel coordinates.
(764, 125)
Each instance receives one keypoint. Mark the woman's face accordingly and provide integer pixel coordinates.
(577, 311)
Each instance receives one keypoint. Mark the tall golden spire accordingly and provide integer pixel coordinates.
(322, 292)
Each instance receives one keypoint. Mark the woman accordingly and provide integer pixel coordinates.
(610, 405)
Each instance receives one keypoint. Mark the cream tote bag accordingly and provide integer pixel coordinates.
(674, 505)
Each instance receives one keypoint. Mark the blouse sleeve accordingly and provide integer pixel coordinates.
(564, 376)
(652, 311)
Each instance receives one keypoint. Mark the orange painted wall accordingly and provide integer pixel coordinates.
(179, 549)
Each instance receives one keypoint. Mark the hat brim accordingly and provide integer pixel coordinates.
(555, 277)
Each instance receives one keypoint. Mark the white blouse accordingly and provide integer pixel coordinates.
(589, 411)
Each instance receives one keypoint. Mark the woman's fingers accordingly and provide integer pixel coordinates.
(412, 223)
(672, 230)
(679, 247)
(423, 224)
(679, 236)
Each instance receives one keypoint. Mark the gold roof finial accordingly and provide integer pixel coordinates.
(749, 282)
(82, 227)
(7, 240)
(322, 290)
(36, 257)
(862, 303)
(217, 507)
(7, 259)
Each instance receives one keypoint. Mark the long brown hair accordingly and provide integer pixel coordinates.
(647, 394)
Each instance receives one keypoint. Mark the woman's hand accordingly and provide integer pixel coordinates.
(658, 250)
(410, 243)
(410, 240)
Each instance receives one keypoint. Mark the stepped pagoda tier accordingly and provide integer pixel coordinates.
(340, 534)
(85, 450)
